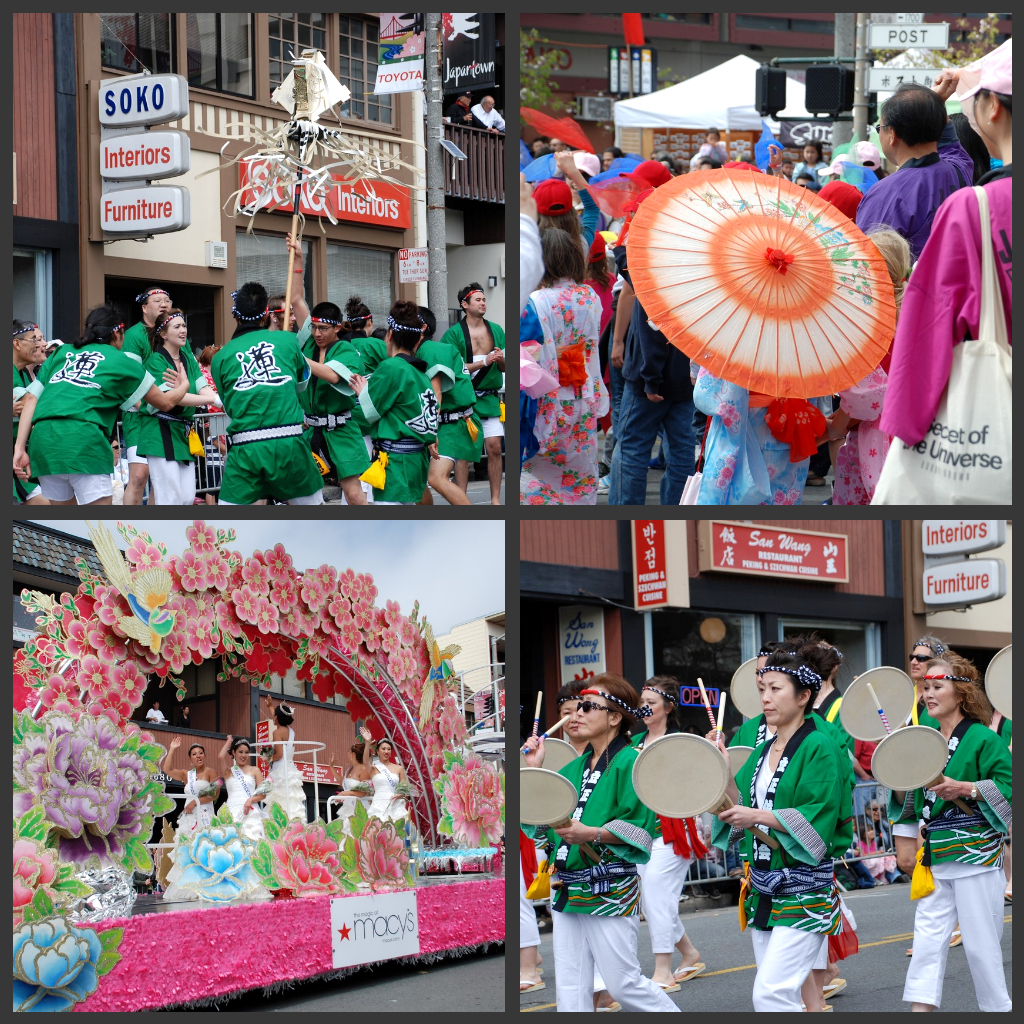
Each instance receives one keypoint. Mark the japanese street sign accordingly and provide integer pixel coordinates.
(933, 36)
(889, 79)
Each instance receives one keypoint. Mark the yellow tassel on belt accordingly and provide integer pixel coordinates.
(922, 883)
(375, 475)
(744, 889)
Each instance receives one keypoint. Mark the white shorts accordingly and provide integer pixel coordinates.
(906, 830)
(316, 498)
(173, 483)
(36, 492)
(134, 458)
(394, 503)
(85, 487)
(493, 427)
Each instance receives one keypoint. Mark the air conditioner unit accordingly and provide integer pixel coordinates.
(217, 254)
(595, 108)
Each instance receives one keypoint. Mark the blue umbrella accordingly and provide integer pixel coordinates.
(525, 156)
(620, 165)
(761, 154)
(542, 168)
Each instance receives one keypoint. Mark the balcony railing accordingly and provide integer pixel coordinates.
(481, 175)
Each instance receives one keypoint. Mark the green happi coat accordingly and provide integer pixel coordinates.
(811, 799)
(344, 445)
(259, 376)
(457, 402)
(79, 396)
(136, 346)
(400, 400)
(981, 757)
(156, 435)
(373, 351)
(22, 380)
(613, 804)
(487, 404)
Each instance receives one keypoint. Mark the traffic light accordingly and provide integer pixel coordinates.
(872, 109)
(828, 89)
(771, 90)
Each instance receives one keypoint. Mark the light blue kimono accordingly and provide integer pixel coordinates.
(743, 463)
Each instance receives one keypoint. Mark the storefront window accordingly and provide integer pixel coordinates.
(860, 643)
(137, 42)
(288, 685)
(220, 52)
(33, 287)
(688, 644)
(264, 258)
(362, 272)
(290, 33)
(357, 68)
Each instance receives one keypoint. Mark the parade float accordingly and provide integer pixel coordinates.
(88, 793)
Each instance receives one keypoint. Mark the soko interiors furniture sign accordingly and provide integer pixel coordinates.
(580, 641)
(367, 929)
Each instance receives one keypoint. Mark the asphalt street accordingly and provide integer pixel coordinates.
(875, 976)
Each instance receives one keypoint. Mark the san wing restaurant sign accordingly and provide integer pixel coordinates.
(728, 546)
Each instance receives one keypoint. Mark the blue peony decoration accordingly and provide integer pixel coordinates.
(56, 964)
(217, 862)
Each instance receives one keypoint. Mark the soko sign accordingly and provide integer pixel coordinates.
(142, 99)
(364, 202)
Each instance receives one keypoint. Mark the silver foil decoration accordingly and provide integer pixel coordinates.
(112, 894)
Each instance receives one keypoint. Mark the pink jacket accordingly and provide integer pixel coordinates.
(942, 306)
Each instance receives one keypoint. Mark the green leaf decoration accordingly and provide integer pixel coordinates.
(336, 830)
(223, 817)
(272, 830)
(19, 734)
(358, 820)
(33, 825)
(30, 914)
(72, 887)
(107, 962)
(350, 881)
(162, 805)
(445, 825)
(151, 751)
(277, 813)
(110, 939)
(42, 903)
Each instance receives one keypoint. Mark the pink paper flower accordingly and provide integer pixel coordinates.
(369, 590)
(392, 612)
(362, 611)
(389, 640)
(340, 610)
(58, 688)
(192, 570)
(35, 866)
(215, 567)
(319, 645)
(175, 652)
(108, 645)
(284, 594)
(307, 860)
(199, 637)
(203, 538)
(471, 795)
(348, 584)
(246, 604)
(410, 634)
(143, 555)
(227, 620)
(113, 706)
(256, 576)
(127, 680)
(77, 642)
(279, 562)
(266, 616)
(93, 675)
(350, 635)
(311, 591)
(450, 723)
(381, 858)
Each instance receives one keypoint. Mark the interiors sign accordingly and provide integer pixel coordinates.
(729, 546)
(368, 929)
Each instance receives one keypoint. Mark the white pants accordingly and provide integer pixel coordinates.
(173, 483)
(784, 958)
(528, 932)
(977, 901)
(580, 941)
(493, 427)
(367, 488)
(85, 488)
(661, 882)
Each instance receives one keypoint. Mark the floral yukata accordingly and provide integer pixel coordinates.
(744, 464)
(859, 461)
(566, 320)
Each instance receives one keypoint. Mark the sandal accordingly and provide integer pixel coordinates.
(910, 952)
(686, 973)
(835, 988)
(1008, 896)
(529, 986)
(672, 986)
(613, 1008)
(956, 939)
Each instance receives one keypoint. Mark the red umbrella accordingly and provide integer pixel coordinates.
(564, 128)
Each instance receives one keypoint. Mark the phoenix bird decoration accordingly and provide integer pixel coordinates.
(440, 669)
(146, 592)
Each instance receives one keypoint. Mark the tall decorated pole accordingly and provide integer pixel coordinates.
(437, 286)
(300, 112)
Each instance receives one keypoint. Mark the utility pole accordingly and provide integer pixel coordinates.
(860, 82)
(842, 131)
(437, 284)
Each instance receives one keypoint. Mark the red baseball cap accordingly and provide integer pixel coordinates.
(552, 198)
(649, 174)
(843, 196)
(598, 251)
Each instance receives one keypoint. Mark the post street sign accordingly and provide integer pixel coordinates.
(932, 36)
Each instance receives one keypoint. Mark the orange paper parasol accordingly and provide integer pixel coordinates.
(762, 283)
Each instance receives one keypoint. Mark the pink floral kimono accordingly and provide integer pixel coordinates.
(564, 470)
(859, 461)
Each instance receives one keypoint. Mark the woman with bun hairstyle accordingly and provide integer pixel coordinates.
(959, 869)
(677, 841)
(596, 914)
(286, 782)
(792, 786)
(163, 437)
(70, 412)
(399, 403)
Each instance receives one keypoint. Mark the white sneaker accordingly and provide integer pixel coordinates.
(604, 484)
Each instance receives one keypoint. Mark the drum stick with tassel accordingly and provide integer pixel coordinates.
(536, 714)
(878, 706)
(707, 703)
(558, 725)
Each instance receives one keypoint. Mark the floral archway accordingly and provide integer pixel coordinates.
(264, 617)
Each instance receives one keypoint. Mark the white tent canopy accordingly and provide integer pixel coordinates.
(722, 97)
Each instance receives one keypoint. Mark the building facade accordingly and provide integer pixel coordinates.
(64, 264)
(584, 585)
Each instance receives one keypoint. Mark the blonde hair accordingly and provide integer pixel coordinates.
(896, 253)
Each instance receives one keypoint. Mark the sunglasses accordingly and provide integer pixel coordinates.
(920, 657)
(586, 706)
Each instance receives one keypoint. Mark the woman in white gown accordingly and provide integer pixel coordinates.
(386, 778)
(246, 787)
(286, 789)
(358, 773)
(197, 811)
